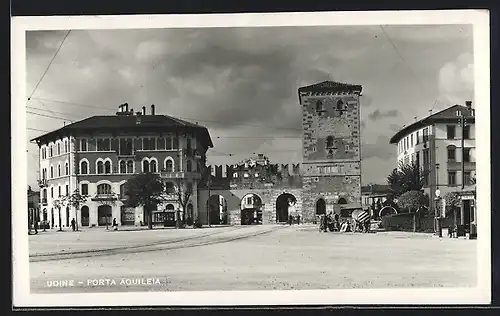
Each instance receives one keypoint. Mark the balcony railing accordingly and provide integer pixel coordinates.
(454, 165)
(42, 183)
(44, 201)
(180, 175)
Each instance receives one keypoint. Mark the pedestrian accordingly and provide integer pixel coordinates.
(290, 219)
(115, 225)
(36, 227)
(73, 224)
(325, 223)
(298, 219)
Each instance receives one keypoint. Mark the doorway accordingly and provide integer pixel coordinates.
(285, 206)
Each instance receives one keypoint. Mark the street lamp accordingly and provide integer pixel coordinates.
(438, 213)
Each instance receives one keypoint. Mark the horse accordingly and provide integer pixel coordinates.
(361, 220)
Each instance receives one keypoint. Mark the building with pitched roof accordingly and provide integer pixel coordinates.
(99, 154)
(443, 145)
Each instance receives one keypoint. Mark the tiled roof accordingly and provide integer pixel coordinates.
(328, 85)
(128, 122)
(447, 115)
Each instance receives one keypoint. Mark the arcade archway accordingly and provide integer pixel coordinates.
(342, 201)
(103, 215)
(285, 206)
(218, 209)
(85, 215)
(251, 209)
(320, 207)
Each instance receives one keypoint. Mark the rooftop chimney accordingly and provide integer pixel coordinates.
(152, 109)
(143, 110)
(468, 104)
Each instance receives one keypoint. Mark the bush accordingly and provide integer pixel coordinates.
(411, 201)
(404, 222)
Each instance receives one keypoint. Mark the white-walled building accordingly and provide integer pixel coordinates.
(99, 154)
(435, 143)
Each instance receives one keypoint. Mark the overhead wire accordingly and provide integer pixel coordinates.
(408, 66)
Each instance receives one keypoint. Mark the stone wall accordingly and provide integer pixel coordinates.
(234, 197)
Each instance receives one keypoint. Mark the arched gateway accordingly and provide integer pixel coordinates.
(285, 206)
(251, 209)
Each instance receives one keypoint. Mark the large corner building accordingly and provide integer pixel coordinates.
(99, 154)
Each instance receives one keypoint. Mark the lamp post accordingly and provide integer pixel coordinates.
(438, 213)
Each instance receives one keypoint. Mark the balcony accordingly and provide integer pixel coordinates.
(105, 197)
(44, 201)
(180, 175)
(457, 165)
(42, 183)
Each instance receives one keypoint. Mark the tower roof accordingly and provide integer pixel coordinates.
(331, 86)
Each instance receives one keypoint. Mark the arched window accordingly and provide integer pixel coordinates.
(188, 142)
(342, 201)
(145, 166)
(66, 149)
(329, 141)
(169, 165)
(107, 167)
(84, 167)
(188, 166)
(51, 172)
(451, 149)
(340, 105)
(130, 166)
(58, 170)
(104, 188)
(319, 105)
(66, 167)
(152, 166)
(169, 187)
(123, 167)
(51, 151)
(58, 148)
(100, 167)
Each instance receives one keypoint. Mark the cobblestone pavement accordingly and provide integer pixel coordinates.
(253, 258)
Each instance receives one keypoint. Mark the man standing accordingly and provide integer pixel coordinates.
(73, 224)
(35, 225)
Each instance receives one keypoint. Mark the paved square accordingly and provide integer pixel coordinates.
(246, 258)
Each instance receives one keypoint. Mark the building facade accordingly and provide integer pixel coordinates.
(99, 154)
(443, 145)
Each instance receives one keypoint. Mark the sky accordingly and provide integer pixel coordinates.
(241, 83)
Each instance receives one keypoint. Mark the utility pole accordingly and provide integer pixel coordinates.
(208, 201)
(462, 122)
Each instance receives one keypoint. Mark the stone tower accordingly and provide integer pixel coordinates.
(331, 147)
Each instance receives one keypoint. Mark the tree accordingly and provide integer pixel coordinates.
(413, 202)
(58, 204)
(183, 192)
(408, 177)
(146, 190)
(76, 199)
(452, 202)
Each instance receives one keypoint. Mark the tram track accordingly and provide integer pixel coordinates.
(151, 247)
(159, 242)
